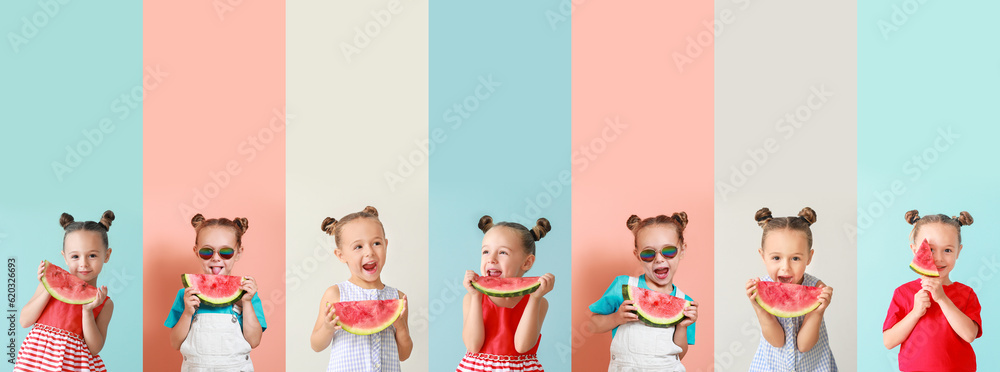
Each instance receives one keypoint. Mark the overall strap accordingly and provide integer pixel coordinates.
(633, 281)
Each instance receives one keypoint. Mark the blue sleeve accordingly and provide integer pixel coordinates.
(612, 298)
(176, 310)
(690, 329)
(258, 309)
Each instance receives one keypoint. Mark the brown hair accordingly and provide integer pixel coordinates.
(238, 224)
(100, 227)
(806, 217)
(528, 237)
(679, 220)
(913, 218)
(333, 227)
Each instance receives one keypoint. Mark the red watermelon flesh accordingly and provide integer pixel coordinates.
(923, 261)
(367, 317)
(654, 308)
(506, 287)
(216, 290)
(787, 300)
(66, 287)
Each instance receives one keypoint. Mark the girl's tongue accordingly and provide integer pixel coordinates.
(784, 278)
(493, 272)
(369, 267)
(661, 273)
(216, 270)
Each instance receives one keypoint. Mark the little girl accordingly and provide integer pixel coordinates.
(361, 244)
(502, 333)
(217, 338)
(659, 247)
(69, 337)
(935, 319)
(799, 343)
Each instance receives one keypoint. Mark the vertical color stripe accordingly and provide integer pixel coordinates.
(785, 139)
(500, 122)
(926, 133)
(357, 93)
(72, 104)
(214, 144)
(642, 144)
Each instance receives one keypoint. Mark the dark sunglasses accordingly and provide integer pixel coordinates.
(648, 255)
(224, 253)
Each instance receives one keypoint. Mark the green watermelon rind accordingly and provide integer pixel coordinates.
(511, 293)
(56, 295)
(791, 314)
(650, 320)
(211, 301)
(365, 332)
(920, 270)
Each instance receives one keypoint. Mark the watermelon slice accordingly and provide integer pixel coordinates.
(506, 287)
(216, 290)
(367, 317)
(787, 300)
(923, 261)
(66, 287)
(654, 308)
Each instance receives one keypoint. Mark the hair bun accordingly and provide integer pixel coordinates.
(371, 210)
(808, 214)
(485, 223)
(964, 218)
(681, 218)
(328, 225)
(762, 216)
(242, 224)
(542, 227)
(106, 219)
(632, 222)
(197, 220)
(912, 216)
(65, 220)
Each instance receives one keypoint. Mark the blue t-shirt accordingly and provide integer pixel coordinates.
(612, 299)
(178, 308)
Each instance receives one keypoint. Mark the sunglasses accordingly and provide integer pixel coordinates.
(648, 255)
(224, 253)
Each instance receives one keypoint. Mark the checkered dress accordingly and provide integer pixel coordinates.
(788, 358)
(372, 353)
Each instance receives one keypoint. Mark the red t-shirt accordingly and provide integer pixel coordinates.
(933, 345)
(499, 326)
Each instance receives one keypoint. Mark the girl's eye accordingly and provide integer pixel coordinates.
(357, 247)
(947, 250)
(74, 257)
(795, 258)
(503, 252)
(775, 258)
(378, 243)
(485, 252)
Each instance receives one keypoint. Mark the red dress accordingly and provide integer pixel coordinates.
(56, 343)
(498, 353)
(933, 345)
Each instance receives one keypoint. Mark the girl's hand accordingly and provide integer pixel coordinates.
(824, 298)
(752, 292)
(691, 314)
(41, 272)
(102, 293)
(933, 287)
(921, 301)
(249, 285)
(548, 281)
(470, 276)
(331, 319)
(625, 313)
(191, 300)
(401, 321)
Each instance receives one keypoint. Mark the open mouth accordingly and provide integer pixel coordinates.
(370, 267)
(216, 270)
(494, 272)
(661, 273)
(784, 278)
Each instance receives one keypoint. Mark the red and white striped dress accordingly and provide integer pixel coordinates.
(55, 343)
(498, 353)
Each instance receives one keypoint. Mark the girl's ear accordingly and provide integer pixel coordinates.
(761, 251)
(340, 254)
(530, 261)
(810, 256)
(683, 248)
(107, 255)
(386, 242)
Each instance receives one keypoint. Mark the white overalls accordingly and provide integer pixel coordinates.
(215, 343)
(637, 347)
